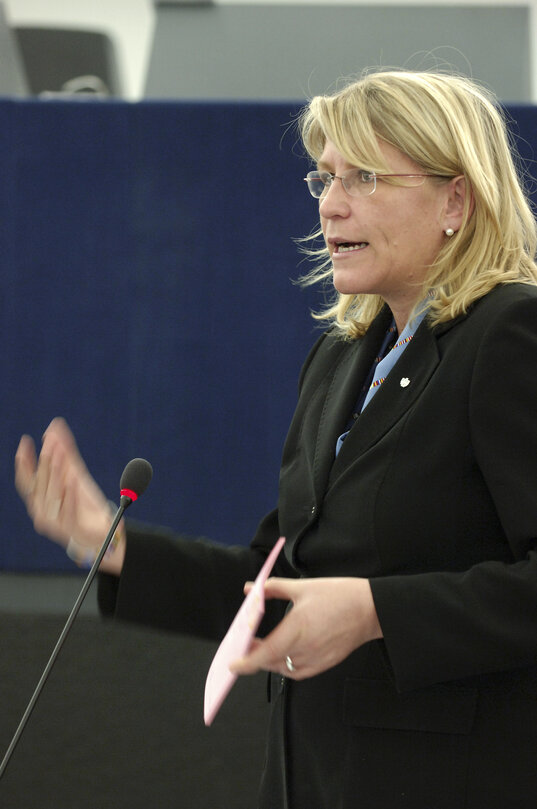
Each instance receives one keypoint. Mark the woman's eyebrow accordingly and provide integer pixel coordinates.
(322, 166)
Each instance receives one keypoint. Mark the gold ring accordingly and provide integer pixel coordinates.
(289, 663)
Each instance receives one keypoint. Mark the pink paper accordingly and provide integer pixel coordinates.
(238, 639)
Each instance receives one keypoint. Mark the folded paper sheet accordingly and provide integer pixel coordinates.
(238, 638)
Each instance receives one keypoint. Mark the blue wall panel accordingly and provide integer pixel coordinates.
(147, 266)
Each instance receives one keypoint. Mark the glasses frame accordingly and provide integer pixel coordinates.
(372, 174)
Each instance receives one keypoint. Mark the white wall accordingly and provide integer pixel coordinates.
(131, 23)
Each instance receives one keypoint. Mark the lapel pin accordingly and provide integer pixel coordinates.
(404, 382)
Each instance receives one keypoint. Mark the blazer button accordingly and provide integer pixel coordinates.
(313, 509)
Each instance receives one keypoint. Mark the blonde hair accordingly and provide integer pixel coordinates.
(449, 126)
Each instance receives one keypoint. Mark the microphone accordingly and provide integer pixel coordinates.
(133, 483)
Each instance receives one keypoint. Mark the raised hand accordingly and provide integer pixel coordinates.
(61, 497)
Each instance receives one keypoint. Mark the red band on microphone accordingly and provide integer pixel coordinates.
(129, 493)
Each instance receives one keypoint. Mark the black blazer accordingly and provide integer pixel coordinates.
(433, 497)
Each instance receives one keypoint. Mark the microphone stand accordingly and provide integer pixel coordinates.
(124, 503)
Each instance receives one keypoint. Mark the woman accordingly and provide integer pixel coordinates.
(401, 636)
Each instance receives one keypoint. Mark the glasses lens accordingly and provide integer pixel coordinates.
(359, 183)
(356, 182)
(316, 183)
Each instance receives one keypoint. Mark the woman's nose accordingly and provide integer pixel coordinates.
(335, 201)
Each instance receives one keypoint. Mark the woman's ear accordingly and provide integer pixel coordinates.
(459, 194)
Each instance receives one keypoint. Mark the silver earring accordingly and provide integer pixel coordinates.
(449, 232)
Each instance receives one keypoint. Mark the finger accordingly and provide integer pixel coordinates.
(59, 427)
(58, 434)
(256, 642)
(242, 664)
(49, 481)
(269, 653)
(41, 477)
(55, 490)
(284, 589)
(73, 498)
(70, 502)
(25, 466)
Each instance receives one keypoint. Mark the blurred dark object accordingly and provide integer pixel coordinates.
(68, 61)
(12, 76)
(120, 721)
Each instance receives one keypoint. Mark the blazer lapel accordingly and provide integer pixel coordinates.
(404, 385)
(347, 379)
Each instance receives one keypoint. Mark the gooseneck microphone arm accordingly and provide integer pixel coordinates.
(134, 481)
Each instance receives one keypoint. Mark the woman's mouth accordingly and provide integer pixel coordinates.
(349, 247)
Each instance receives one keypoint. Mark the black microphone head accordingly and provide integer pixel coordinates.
(136, 478)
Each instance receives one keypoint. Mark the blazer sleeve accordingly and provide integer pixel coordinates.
(186, 584)
(450, 625)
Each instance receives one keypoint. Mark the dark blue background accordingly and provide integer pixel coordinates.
(147, 267)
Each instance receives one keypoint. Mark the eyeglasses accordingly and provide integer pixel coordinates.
(356, 182)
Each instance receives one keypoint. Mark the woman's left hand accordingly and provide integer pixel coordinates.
(329, 619)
